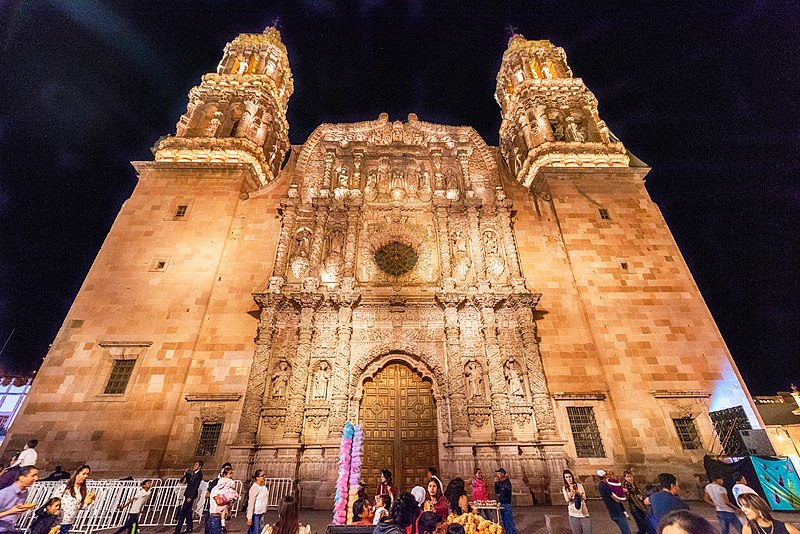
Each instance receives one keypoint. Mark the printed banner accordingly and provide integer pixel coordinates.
(779, 481)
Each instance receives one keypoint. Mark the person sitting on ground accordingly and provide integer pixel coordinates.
(435, 501)
(362, 512)
(56, 475)
(401, 516)
(456, 494)
(288, 519)
(46, 517)
(759, 517)
(382, 505)
(685, 522)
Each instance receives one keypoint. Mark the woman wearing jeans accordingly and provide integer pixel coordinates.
(257, 502)
(575, 496)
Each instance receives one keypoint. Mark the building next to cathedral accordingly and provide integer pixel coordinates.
(523, 306)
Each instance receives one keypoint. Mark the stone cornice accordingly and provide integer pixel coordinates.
(213, 397)
(580, 395)
(679, 394)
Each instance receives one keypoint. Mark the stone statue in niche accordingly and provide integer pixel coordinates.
(494, 260)
(490, 242)
(546, 72)
(513, 378)
(583, 133)
(451, 179)
(342, 178)
(474, 375)
(322, 377)
(299, 261)
(280, 380)
(423, 178)
(214, 124)
(398, 180)
(462, 261)
(371, 189)
(558, 130)
(334, 259)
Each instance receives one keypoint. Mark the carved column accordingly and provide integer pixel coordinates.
(346, 298)
(523, 304)
(309, 301)
(497, 380)
(270, 304)
(318, 239)
(289, 207)
(353, 216)
(443, 236)
(478, 259)
(504, 220)
(330, 155)
(458, 408)
(463, 162)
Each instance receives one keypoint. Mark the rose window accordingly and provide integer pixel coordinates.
(396, 258)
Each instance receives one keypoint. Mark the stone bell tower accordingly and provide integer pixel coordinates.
(549, 117)
(239, 112)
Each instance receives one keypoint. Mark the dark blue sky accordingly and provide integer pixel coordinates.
(706, 94)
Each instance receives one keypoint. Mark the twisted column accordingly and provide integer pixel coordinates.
(270, 304)
(500, 408)
(289, 207)
(458, 407)
(443, 235)
(346, 298)
(309, 301)
(478, 259)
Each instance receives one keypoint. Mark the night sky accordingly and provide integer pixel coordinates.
(706, 95)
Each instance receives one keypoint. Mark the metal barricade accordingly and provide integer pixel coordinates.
(278, 489)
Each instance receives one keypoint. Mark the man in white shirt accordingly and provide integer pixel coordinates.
(740, 486)
(136, 502)
(717, 496)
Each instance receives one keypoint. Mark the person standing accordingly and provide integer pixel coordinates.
(435, 501)
(740, 486)
(26, 458)
(74, 497)
(575, 495)
(12, 498)
(636, 503)
(717, 496)
(502, 488)
(192, 478)
(257, 502)
(221, 496)
(759, 517)
(666, 500)
(613, 503)
(136, 502)
(385, 486)
(480, 492)
(432, 472)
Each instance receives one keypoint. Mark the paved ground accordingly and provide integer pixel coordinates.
(529, 519)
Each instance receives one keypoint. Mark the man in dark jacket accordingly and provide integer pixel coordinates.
(502, 487)
(192, 477)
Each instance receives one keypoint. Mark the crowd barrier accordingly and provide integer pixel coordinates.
(166, 497)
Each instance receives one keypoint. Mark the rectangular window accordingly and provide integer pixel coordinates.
(209, 438)
(181, 211)
(687, 432)
(120, 375)
(604, 214)
(585, 433)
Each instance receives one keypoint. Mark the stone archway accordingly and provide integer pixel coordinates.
(398, 412)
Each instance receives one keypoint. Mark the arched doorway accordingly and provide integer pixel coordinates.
(399, 419)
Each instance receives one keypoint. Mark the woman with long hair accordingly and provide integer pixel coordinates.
(385, 486)
(74, 497)
(435, 501)
(401, 516)
(288, 519)
(759, 517)
(456, 494)
(362, 512)
(685, 522)
(578, 512)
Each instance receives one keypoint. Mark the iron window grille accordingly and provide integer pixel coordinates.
(604, 214)
(585, 433)
(181, 211)
(119, 377)
(209, 438)
(687, 432)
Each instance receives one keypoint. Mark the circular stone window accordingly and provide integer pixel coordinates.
(396, 258)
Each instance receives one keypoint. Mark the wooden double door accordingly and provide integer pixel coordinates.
(399, 419)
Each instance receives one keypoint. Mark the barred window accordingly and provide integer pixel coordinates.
(604, 214)
(209, 438)
(120, 375)
(585, 432)
(687, 432)
(181, 211)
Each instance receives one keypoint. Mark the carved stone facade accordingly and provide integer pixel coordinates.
(519, 282)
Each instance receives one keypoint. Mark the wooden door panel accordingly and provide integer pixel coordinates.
(399, 418)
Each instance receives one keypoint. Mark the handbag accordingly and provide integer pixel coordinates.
(578, 500)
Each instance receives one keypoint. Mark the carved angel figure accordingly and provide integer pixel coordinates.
(513, 378)
(474, 375)
(322, 377)
(280, 380)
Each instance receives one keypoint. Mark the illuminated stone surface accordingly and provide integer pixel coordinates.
(249, 287)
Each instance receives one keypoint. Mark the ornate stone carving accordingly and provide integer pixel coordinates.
(274, 417)
(473, 373)
(280, 380)
(212, 413)
(320, 381)
(479, 414)
(317, 416)
(513, 376)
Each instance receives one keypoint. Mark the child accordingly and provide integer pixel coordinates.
(381, 508)
(138, 501)
(616, 488)
(46, 517)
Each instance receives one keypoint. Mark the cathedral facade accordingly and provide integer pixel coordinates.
(522, 306)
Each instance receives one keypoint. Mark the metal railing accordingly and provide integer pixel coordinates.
(166, 497)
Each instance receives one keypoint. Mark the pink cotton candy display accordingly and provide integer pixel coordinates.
(355, 469)
(340, 502)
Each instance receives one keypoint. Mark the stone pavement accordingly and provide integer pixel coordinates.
(529, 519)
